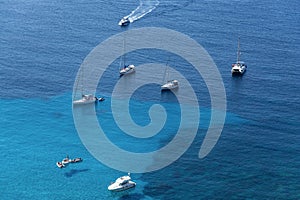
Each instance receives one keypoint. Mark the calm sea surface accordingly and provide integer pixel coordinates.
(42, 45)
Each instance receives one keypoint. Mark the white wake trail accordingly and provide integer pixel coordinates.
(145, 7)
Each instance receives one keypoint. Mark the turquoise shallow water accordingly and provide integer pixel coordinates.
(42, 46)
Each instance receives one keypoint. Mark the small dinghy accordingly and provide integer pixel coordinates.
(60, 165)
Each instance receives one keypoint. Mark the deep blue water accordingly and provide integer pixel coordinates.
(43, 44)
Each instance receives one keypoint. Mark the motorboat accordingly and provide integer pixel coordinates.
(122, 183)
(124, 21)
(85, 99)
(127, 69)
(239, 67)
(172, 84)
(60, 164)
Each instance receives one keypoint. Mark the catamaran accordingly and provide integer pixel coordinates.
(239, 67)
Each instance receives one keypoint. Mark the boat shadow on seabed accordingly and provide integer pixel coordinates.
(127, 194)
(74, 171)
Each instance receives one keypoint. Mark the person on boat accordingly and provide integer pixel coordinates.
(66, 159)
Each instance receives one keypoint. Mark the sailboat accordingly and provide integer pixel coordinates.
(85, 98)
(239, 67)
(125, 69)
(169, 84)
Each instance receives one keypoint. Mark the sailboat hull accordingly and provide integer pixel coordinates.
(86, 99)
(81, 102)
(170, 85)
(127, 70)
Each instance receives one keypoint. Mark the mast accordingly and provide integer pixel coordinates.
(82, 75)
(238, 51)
(122, 57)
(166, 74)
(164, 78)
(124, 50)
(79, 82)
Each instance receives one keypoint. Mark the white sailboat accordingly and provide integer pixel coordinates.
(85, 98)
(239, 67)
(169, 84)
(125, 69)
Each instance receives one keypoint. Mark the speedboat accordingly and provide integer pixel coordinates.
(122, 183)
(85, 99)
(238, 68)
(124, 21)
(170, 85)
(127, 69)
